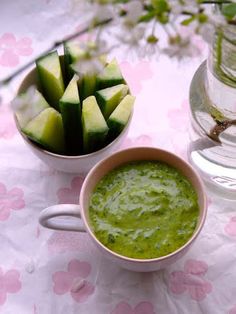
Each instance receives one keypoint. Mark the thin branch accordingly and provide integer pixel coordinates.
(216, 1)
(54, 46)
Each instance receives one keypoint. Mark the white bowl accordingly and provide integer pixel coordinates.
(74, 164)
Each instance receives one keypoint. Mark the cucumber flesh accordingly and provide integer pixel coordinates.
(110, 97)
(47, 130)
(87, 85)
(110, 76)
(71, 117)
(51, 79)
(30, 110)
(120, 116)
(72, 53)
(95, 128)
(71, 93)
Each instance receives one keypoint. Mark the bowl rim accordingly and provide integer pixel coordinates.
(197, 230)
(55, 155)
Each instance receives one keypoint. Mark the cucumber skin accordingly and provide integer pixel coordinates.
(101, 84)
(115, 128)
(94, 141)
(68, 60)
(42, 143)
(101, 103)
(71, 119)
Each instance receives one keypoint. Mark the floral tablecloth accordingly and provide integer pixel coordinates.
(40, 269)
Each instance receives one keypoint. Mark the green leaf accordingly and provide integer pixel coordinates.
(152, 39)
(229, 10)
(202, 18)
(147, 17)
(163, 18)
(188, 21)
(160, 6)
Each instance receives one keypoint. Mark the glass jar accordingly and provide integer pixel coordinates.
(212, 148)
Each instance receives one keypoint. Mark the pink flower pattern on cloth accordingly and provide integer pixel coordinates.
(142, 140)
(7, 125)
(233, 310)
(9, 283)
(135, 74)
(73, 281)
(179, 118)
(230, 227)
(12, 49)
(71, 195)
(12, 199)
(191, 280)
(141, 308)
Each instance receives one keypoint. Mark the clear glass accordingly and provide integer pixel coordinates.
(213, 107)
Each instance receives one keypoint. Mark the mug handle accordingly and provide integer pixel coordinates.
(56, 217)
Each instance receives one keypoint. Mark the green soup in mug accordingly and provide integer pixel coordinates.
(144, 210)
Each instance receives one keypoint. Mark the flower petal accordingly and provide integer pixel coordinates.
(230, 228)
(62, 282)
(195, 267)
(4, 212)
(176, 283)
(144, 308)
(84, 292)
(11, 281)
(198, 293)
(7, 40)
(122, 308)
(23, 46)
(9, 58)
(3, 297)
(15, 197)
(76, 184)
(80, 269)
(3, 189)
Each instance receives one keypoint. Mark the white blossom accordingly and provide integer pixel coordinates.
(185, 48)
(102, 12)
(178, 7)
(131, 35)
(21, 102)
(91, 61)
(24, 105)
(134, 10)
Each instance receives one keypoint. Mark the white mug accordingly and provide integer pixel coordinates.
(52, 217)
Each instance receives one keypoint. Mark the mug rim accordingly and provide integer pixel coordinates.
(200, 192)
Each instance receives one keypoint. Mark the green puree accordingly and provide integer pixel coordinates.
(144, 210)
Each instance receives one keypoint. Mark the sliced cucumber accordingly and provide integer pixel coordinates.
(88, 85)
(51, 79)
(47, 130)
(30, 110)
(120, 116)
(110, 97)
(72, 53)
(94, 125)
(71, 116)
(110, 76)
